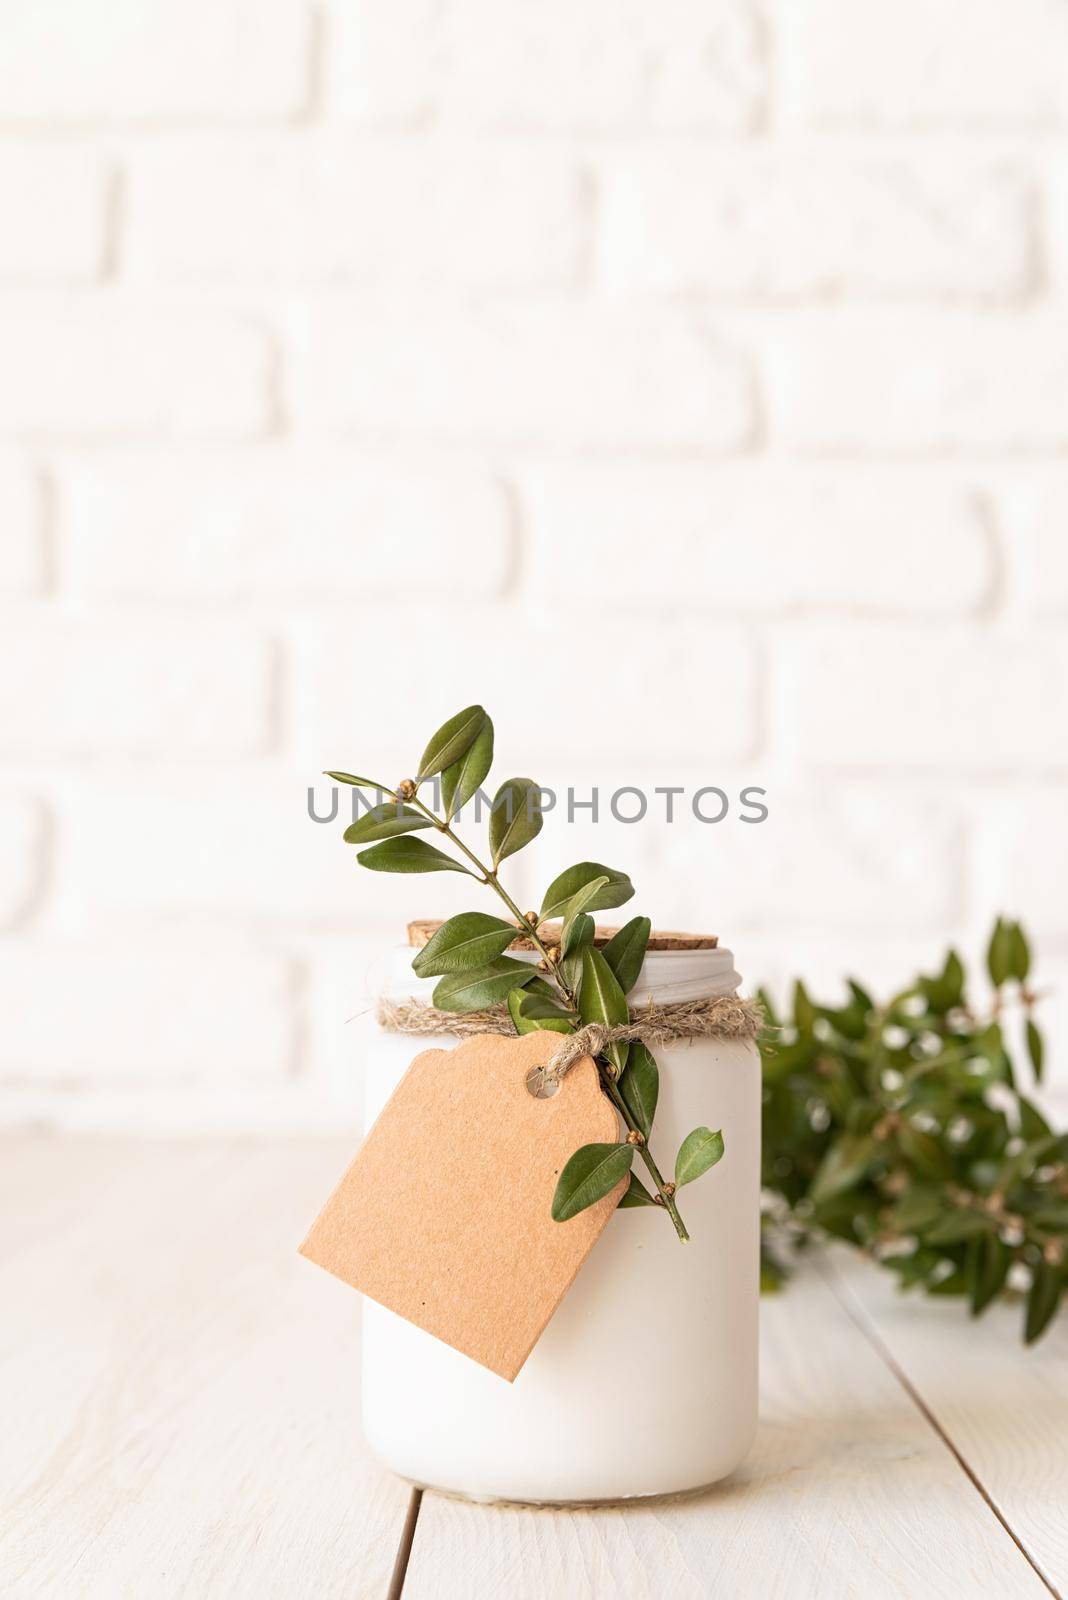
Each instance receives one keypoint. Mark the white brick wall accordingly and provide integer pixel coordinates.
(199, 526)
(154, 61)
(144, 687)
(358, 209)
(561, 374)
(769, 538)
(808, 222)
(54, 201)
(689, 381)
(22, 553)
(925, 63)
(604, 65)
(881, 383)
(88, 369)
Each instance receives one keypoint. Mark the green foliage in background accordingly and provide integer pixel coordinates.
(902, 1128)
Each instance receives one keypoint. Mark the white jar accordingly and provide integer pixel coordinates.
(645, 1380)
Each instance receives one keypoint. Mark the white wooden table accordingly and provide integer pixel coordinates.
(179, 1418)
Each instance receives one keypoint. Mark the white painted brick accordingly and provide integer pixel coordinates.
(378, 210)
(1031, 515)
(693, 219)
(79, 368)
(24, 834)
(894, 382)
(1054, 215)
(821, 853)
(145, 1011)
(242, 847)
(147, 688)
(52, 213)
(550, 372)
(918, 63)
(21, 553)
(153, 60)
(279, 523)
(1022, 857)
(768, 538)
(958, 699)
(604, 64)
(649, 679)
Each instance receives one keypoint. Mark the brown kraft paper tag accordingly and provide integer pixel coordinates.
(444, 1215)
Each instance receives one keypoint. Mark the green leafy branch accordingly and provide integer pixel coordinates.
(901, 1128)
(573, 983)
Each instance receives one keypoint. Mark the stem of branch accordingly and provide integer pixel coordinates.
(608, 1084)
(668, 1199)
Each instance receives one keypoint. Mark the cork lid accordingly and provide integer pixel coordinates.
(420, 933)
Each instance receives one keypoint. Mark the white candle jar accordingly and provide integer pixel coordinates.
(645, 1381)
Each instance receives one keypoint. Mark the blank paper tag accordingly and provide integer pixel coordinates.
(444, 1214)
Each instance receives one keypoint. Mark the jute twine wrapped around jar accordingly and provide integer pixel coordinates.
(727, 1016)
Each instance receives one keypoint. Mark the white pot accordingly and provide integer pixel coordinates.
(644, 1382)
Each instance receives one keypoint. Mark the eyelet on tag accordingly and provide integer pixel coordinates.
(542, 1083)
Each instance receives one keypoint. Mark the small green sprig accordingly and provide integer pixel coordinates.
(574, 982)
(901, 1128)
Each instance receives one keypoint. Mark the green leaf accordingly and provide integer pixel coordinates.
(917, 1208)
(636, 1195)
(1035, 1049)
(999, 953)
(462, 779)
(767, 1005)
(625, 951)
(988, 1267)
(924, 1152)
(1033, 1124)
(616, 891)
(945, 992)
(591, 1173)
(956, 1226)
(602, 1000)
(953, 977)
(581, 900)
(847, 1161)
(475, 991)
(804, 1010)
(1042, 1302)
(452, 740)
(699, 1150)
(531, 1013)
(515, 819)
(1054, 1217)
(408, 855)
(349, 777)
(578, 931)
(571, 971)
(772, 1276)
(861, 998)
(955, 1284)
(640, 1085)
(1019, 953)
(466, 941)
(385, 822)
(545, 991)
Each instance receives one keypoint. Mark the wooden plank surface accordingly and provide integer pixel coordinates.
(1005, 1407)
(180, 1413)
(180, 1418)
(848, 1492)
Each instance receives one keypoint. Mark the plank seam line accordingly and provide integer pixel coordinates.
(858, 1316)
(404, 1548)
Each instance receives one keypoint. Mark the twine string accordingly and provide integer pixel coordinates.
(717, 1017)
